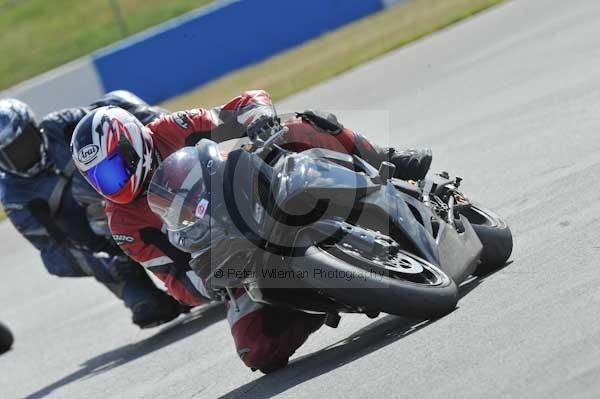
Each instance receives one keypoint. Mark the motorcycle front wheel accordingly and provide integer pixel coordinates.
(402, 284)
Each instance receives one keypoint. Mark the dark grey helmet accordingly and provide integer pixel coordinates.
(23, 147)
(119, 98)
(130, 103)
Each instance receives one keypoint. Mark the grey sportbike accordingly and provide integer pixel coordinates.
(321, 231)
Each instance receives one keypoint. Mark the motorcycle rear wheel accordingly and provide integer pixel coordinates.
(494, 234)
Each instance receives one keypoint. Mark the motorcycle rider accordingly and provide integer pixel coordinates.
(128, 153)
(37, 191)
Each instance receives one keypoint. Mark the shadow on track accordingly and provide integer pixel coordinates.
(371, 338)
(382, 332)
(196, 321)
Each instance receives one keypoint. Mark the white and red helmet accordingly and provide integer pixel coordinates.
(114, 152)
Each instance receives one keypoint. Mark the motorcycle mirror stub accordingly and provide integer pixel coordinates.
(386, 170)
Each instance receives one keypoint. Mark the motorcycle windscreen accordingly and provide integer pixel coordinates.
(323, 180)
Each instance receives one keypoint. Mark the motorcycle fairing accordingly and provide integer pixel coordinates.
(459, 252)
(301, 182)
(328, 175)
(318, 178)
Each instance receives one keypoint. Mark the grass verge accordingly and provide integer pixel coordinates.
(336, 52)
(38, 35)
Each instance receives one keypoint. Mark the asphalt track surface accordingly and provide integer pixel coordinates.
(510, 100)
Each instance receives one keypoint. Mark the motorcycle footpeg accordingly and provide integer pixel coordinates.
(332, 320)
(372, 314)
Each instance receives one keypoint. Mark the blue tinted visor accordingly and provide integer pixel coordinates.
(110, 175)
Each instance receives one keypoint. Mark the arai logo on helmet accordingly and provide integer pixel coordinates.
(88, 153)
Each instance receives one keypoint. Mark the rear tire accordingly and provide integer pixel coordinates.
(494, 234)
(372, 291)
(6, 338)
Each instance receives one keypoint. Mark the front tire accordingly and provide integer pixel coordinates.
(373, 289)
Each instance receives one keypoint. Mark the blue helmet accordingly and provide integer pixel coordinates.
(23, 147)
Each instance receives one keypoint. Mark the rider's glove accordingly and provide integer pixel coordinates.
(120, 268)
(40, 210)
(263, 127)
(410, 164)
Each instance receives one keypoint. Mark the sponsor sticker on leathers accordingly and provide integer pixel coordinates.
(181, 119)
(121, 239)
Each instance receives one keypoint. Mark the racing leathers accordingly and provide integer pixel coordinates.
(265, 337)
(45, 210)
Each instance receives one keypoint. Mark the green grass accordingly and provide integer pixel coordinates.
(336, 52)
(38, 35)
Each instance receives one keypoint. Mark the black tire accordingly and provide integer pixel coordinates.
(494, 234)
(372, 291)
(6, 338)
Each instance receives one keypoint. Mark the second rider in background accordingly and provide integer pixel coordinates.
(49, 203)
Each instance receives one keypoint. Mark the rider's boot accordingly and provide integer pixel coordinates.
(298, 321)
(150, 306)
(152, 312)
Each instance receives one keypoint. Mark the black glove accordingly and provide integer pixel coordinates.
(122, 268)
(104, 244)
(40, 210)
(262, 128)
(410, 164)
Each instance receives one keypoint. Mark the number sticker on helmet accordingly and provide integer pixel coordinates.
(201, 208)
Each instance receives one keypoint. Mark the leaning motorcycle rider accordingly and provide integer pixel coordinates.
(38, 189)
(129, 153)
